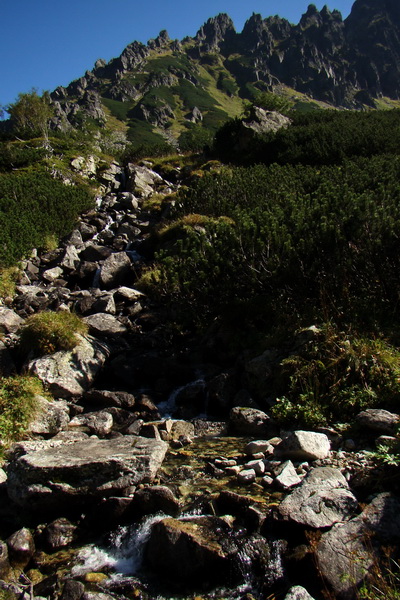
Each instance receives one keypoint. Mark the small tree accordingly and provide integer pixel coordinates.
(30, 115)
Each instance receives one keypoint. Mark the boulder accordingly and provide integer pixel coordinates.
(304, 445)
(10, 322)
(176, 429)
(52, 417)
(104, 325)
(21, 547)
(259, 446)
(104, 304)
(115, 270)
(99, 423)
(348, 552)
(107, 399)
(70, 373)
(59, 534)
(61, 476)
(70, 261)
(72, 590)
(53, 274)
(263, 121)
(287, 477)
(127, 293)
(195, 551)
(322, 500)
(94, 252)
(250, 422)
(297, 592)
(154, 499)
(142, 181)
(378, 420)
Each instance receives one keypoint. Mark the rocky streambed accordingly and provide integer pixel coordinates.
(157, 472)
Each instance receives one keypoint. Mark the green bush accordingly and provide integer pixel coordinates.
(17, 406)
(48, 332)
(334, 377)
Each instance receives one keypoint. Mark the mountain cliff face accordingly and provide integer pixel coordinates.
(167, 87)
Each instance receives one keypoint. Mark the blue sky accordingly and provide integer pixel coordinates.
(47, 43)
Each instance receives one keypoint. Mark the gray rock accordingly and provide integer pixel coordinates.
(99, 423)
(115, 270)
(378, 420)
(70, 261)
(304, 445)
(71, 373)
(157, 498)
(142, 181)
(97, 596)
(52, 417)
(72, 590)
(287, 476)
(52, 274)
(10, 322)
(95, 252)
(298, 593)
(349, 550)
(75, 239)
(21, 547)
(258, 466)
(128, 200)
(107, 399)
(247, 476)
(59, 534)
(194, 550)
(259, 446)
(263, 121)
(103, 324)
(128, 293)
(321, 501)
(250, 421)
(58, 477)
(175, 429)
(104, 304)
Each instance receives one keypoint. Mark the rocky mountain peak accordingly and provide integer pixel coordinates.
(255, 31)
(161, 41)
(215, 31)
(311, 17)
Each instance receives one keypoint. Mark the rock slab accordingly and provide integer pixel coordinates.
(57, 477)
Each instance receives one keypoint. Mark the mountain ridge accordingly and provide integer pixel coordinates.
(168, 86)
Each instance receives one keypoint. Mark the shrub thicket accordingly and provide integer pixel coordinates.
(34, 206)
(314, 242)
(320, 137)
